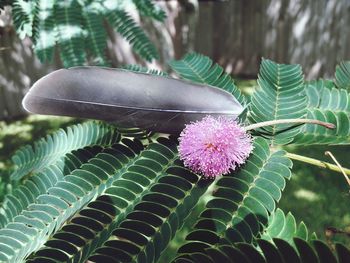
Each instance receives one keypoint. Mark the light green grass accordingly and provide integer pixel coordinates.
(18, 133)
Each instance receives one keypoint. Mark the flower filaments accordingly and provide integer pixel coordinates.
(212, 147)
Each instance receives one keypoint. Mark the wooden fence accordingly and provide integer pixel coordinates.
(235, 33)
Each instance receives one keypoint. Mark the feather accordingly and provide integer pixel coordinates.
(130, 99)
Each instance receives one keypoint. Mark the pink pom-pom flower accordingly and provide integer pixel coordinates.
(213, 146)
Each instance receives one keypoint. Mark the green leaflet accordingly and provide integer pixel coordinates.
(342, 75)
(284, 227)
(150, 9)
(329, 104)
(147, 230)
(199, 68)
(281, 96)
(23, 17)
(138, 68)
(34, 225)
(126, 26)
(96, 36)
(241, 201)
(145, 202)
(32, 159)
(70, 35)
(116, 204)
(40, 182)
(43, 30)
(281, 251)
(127, 202)
(78, 28)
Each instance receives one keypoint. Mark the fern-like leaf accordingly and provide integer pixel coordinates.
(31, 159)
(70, 35)
(96, 37)
(138, 68)
(127, 27)
(116, 201)
(132, 199)
(23, 13)
(157, 218)
(44, 29)
(201, 69)
(284, 227)
(40, 182)
(150, 9)
(281, 96)
(41, 219)
(328, 104)
(241, 201)
(78, 28)
(281, 251)
(342, 75)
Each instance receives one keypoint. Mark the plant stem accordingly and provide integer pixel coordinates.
(340, 167)
(317, 163)
(283, 121)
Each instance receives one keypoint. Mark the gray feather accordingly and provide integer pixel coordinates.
(128, 98)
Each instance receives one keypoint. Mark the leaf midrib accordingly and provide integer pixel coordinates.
(69, 212)
(114, 224)
(274, 127)
(241, 204)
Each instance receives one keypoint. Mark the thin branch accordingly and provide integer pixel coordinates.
(286, 121)
(339, 166)
(317, 163)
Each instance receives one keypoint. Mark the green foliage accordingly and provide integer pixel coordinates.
(241, 203)
(24, 17)
(152, 211)
(40, 182)
(138, 68)
(52, 209)
(15, 134)
(330, 104)
(148, 8)
(31, 159)
(281, 251)
(70, 35)
(319, 197)
(127, 27)
(281, 96)
(43, 33)
(200, 69)
(342, 75)
(115, 203)
(77, 28)
(284, 227)
(99, 193)
(96, 38)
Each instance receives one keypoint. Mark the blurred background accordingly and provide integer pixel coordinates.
(235, 34)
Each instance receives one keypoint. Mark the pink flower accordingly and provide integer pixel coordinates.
(212, 147)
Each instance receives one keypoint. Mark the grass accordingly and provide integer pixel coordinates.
(18, 133)
(319, 197)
